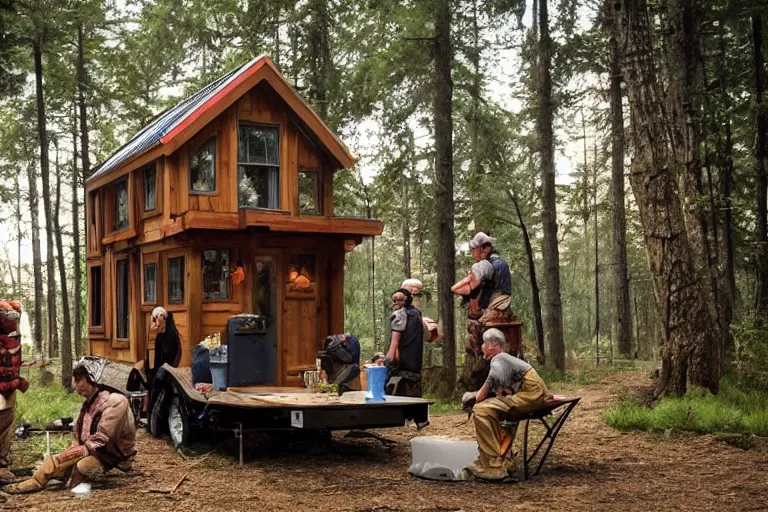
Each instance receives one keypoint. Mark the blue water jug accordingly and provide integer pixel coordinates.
(376, 377)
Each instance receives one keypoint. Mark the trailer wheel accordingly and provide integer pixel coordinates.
(158, 415)
(178, 423)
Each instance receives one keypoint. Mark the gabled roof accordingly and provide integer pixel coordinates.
(179, 123)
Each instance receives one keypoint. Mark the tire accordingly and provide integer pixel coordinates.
(178, 423)
(158, 415)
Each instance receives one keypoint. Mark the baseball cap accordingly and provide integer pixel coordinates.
(479, 240)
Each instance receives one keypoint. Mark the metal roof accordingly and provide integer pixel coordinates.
(151, 135)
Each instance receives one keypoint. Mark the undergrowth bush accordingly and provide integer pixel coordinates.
(733, 410)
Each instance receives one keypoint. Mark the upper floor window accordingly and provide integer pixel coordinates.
(97, 308)
(202, 168)
(150, 188)
(258, 167)
(308, 187)
(121, 205)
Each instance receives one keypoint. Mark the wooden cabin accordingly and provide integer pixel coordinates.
(239, 173)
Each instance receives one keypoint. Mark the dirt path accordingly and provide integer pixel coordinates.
(592, 467)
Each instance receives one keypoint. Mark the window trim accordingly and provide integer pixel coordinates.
(229, 297)
(101, 328)
(182, 301)
(213, 138)
(118, 259)
(277, 167)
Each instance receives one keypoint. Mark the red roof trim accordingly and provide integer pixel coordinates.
(211, 103)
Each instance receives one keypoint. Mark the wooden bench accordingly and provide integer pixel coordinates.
(565, 405)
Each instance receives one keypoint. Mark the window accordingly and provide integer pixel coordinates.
(258, 167)
(96, 297)
(150, 189)
(121, 205)
(150, 282)
(176, 280)
(308, 187)
(215, 275)
(202, 168)
(122, 299)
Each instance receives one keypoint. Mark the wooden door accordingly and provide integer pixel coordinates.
(265, 301)
(300, 313)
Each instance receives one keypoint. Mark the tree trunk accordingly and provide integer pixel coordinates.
(320, 57)
(446, 262)
(77, 299)
(37, 263)
(618, 215)
(553, 307)
(597, 260)
(538, 325)
(585, 212)
(65, 352)
(19, 236)
(686, 95)
(406, 230)
(725, 155)
(761, 172)
(44, 173)
(681, 297)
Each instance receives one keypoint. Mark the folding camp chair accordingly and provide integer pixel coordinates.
(565, 404)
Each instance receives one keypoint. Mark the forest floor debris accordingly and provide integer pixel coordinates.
(592, 467)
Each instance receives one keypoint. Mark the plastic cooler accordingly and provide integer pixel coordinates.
(219, 367)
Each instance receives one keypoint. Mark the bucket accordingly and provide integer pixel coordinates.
(375, 377)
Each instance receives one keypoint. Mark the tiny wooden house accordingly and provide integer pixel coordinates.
(239, 174)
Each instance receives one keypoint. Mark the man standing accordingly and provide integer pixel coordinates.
(105, 434)
(404, 356)
(494, 444)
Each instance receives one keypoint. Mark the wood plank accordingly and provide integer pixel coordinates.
(211, 220)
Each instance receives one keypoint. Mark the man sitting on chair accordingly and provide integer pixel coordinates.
(494, 458)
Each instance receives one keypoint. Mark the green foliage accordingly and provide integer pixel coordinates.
(42, 404)
(444, 405)
(733, 410)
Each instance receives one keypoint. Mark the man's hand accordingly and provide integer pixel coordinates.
(468, 400)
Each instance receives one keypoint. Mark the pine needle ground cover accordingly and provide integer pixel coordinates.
(734, 410)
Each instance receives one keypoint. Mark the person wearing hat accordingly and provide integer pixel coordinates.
(490, 284)
(105, 433)
(404, 356)
(495, 399)
(431, 328)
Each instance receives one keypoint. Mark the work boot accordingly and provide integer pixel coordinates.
(488, 468)
(27, 486)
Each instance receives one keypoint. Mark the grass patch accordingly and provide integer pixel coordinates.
(733, 410)
(41, 405)
(443, 404)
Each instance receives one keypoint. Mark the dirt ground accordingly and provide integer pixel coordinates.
(592, 467)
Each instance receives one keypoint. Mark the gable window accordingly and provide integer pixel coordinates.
(150, 189)
(122, 298)
(97, 308)
(258, 167)
(308, 187)
(121, 205)
(202, 168)
(150, 282)
(215, 275)
(176, 280)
